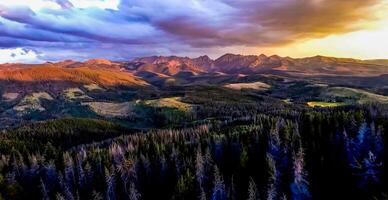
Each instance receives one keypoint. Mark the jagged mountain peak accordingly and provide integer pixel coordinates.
(229, 64)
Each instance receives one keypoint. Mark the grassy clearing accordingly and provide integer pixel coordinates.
(108, 109)
(93, 87)
(33, 102)
(10, 96)
(75, 93)
(127, 109)
(171, 102)
(287, 101)
(353, 95)
(325, 104)
(254, 86)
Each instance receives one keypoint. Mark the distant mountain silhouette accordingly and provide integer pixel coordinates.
(166, 69)
(237, 64)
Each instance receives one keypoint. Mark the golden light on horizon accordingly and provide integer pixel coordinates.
(371, 42)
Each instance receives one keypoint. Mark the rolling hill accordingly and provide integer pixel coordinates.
(79, 75)
(106, 89)
(52, 78)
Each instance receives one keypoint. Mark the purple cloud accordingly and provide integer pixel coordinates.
(145, 27)
(65, 4)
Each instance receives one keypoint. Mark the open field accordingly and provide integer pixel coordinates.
(33, 102)
(171, 102)
(254, 86)
(75, 93)
(324, 104)
(353, 95)
(109, 109)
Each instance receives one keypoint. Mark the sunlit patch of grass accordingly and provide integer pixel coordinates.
(75, 93)
(32, 102)
(254, 86)
(171, 102)
(92, 87)
(356, 95)
(108, 109)
(325, 104)
(287, 101)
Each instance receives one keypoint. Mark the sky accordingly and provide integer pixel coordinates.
(36, 31)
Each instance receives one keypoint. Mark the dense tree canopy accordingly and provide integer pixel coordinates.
(230, 151)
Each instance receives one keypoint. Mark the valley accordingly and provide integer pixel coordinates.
(177, 128)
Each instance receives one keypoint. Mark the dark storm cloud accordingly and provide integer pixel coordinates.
(157, 26)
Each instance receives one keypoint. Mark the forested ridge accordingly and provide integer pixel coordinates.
(239, 152)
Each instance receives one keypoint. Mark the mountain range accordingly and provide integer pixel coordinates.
(228, 63)
(147, 71)
(240, 64)
(110, 89)
(173, 70)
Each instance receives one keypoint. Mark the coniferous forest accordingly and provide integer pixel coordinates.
(236, 151)
(193, 100)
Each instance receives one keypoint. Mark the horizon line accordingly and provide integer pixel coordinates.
(190, 57)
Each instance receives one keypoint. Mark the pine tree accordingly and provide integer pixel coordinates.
(133, 193)
(202, 194)
(370, 170)
(44, 191)
(59, 197)
(219, 187)
(51, 174)
(68, 195)
(200, 168)
(97, 195)
(299, 188)
(252, 190)
(69, 171)
(232, 190)
(110, 184)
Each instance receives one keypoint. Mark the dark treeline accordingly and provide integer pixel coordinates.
(254, 152)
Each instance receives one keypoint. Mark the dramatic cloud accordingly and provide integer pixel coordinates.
(124, 29)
